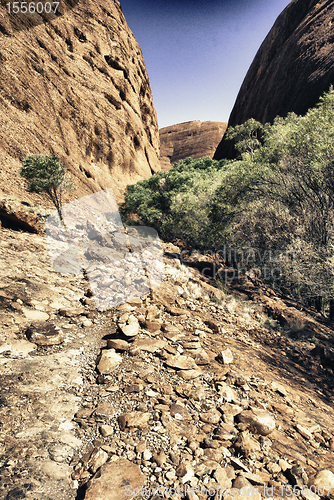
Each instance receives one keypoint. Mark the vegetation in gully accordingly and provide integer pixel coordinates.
(274, 202)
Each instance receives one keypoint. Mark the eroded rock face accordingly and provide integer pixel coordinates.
(15, 216)
(195, 139)
(292, 68)
(76, 87)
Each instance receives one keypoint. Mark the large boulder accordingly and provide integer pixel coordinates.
(195, 139)
(76, 86)
(292, 68)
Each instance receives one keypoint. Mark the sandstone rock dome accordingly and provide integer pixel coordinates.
(77, 87)
(196, 139)
(292, 68)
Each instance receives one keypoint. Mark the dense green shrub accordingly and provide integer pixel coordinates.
(177, 203)
(276, 200)
(280, 196)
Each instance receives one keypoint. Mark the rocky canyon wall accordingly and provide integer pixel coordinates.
(77, 87)
(195, 139)
(292, 68)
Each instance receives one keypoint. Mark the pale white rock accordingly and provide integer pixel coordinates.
(125, 308)
(325, 479)
(55, 471)
(132, 328)
(106, 430)
(309, 494)
(109, 361)
(87, 323)
(190, 474)
(22, 348)
(261, 420)
(34, 315)
(226, 356)
(147, 455)
(170, 475)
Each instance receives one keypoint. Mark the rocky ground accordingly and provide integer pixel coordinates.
(187, 392)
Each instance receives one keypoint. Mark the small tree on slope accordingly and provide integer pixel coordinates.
(48, 174)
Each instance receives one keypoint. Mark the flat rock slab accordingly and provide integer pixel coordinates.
(190, 374)
(21, 348)
(173, 336)
(118, 344)
(148, 345)
(71, 312)
(211, 417)
(45, 334)
(105, 410)
(135, 419)
(181, 362)
(179, 412)
(200, 356)
(119, 480)
(34, 315)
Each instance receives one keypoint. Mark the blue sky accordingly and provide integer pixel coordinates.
(197, 53)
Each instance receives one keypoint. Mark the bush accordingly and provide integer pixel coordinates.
(177, 203)
(280, 197)
(277, 201)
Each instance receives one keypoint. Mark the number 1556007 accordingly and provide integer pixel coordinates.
(32, 7)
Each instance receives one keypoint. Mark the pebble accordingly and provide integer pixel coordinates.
(226, 356)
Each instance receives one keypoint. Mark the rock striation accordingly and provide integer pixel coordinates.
(76, 87)
(292, 68)
(195, 139)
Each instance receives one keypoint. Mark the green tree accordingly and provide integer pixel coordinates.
(281, 196)
(48, 174)
(246, 137)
